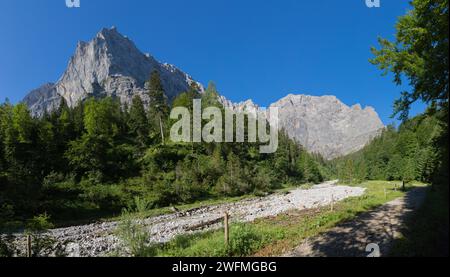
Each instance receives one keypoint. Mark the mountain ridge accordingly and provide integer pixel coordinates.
(111, 65)
(322, 124)
(108, 65)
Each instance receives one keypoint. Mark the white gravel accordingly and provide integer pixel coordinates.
(98, 239)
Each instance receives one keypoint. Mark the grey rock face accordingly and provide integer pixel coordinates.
(244, 106)
(323, 125)
(108, 65)
(43, 98)
(326, 126)
(111, 65)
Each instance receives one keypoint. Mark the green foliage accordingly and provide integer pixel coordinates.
(138, 122)
(419, 53)
(274, 235)
(39, 223)
(409, 153)
(420, 148)
(132, 232)
(158, 112)
(211, 96)
(42, 244)
(244, 241)
(102, 117)
(97, 157)
(426, 232)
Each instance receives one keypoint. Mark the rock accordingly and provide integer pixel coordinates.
(326, 126)
(323, 125)
(109, 65)
(97, 240)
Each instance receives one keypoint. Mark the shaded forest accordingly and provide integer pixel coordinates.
(96, 158)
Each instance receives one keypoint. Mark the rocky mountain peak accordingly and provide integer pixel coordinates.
(108, 65)
(244, 106)
(327, 126)
(324, 124)
(111, 65)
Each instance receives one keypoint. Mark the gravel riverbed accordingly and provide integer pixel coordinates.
(98, 239)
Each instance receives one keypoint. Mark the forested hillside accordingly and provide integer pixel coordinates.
(418, 150)
(96, 158)
(418, 57)
(407, 153)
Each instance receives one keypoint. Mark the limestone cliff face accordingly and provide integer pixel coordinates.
(327, 126)
(323, 125)
(109, 65)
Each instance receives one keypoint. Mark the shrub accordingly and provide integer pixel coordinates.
(131, 231)
(244, 240)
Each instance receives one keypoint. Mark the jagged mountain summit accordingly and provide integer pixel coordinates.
(327, 126)
(323, 125)
(111, 65)
(108, 65)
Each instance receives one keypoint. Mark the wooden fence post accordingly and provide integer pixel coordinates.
(332, 203)
(227, 230)
(29, 246)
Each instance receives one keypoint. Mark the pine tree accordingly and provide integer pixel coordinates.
(22, 123)
(138, 122)
(211, 96)
(158, 113)
(102, 117)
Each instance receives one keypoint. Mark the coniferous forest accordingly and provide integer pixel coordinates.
(96, 158)
(101, 158)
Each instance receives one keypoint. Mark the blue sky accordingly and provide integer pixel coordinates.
(259, 49)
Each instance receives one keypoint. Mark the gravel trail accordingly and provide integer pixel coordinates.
(372, 233)
(98, 239)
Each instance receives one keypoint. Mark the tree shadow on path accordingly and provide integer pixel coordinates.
(350, 239)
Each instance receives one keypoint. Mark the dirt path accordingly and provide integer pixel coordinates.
(378, 228)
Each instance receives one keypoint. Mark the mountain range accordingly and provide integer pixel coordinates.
(111, 65)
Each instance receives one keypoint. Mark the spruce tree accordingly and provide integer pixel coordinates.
(138, 122)
(158, 113)
(211, 96)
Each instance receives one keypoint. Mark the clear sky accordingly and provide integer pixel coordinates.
(259, 49)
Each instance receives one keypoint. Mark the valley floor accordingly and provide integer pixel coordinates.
(301, 219)
(380, 228)
(100, 239)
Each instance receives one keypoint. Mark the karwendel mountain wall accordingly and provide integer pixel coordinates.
(111, 65)
(108, 65)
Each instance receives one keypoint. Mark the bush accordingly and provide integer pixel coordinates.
(244, 241)
(132, 233)
(42, 244)
(39, 223)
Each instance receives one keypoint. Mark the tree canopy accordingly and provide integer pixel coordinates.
(419, 54)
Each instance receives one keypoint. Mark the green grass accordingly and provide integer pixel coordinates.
(273, 236)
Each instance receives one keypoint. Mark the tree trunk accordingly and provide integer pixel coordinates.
(162, 130)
